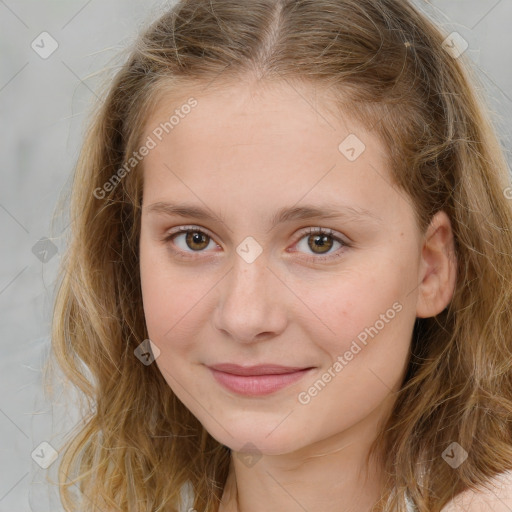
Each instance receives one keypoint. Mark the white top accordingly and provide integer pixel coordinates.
(187, 500)
(410, 504)
(498, 498)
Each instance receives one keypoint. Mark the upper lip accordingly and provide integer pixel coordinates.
(261, 369)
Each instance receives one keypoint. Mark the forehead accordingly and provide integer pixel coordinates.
(277, 143)
(259, 108)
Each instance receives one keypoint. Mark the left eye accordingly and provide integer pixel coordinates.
(190, 239)
(320, 241)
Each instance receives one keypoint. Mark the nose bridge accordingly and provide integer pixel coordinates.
(249, 304)
(248, 284)
(249, 277)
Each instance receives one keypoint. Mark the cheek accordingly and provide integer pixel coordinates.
(167, 295)
(168, 306)
(169, 310)
(365, 357)
(343, 307)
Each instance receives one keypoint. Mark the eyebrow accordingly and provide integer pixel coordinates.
(286, 214)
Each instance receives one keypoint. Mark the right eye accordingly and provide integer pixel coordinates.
(189, 240)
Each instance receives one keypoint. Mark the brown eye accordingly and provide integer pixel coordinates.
(187, 240)
(320, 243)
(197, 240)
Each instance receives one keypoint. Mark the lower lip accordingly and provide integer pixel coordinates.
(257, 385)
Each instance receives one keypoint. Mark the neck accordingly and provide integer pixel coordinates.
(332, 475)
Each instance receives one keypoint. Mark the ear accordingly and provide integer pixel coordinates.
(438, 267)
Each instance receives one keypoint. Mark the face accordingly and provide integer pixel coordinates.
(285, 245)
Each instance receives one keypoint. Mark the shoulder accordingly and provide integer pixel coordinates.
(496, 497)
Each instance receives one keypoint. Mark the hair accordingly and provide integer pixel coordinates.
(382, 62)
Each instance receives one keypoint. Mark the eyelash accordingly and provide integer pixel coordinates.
(310, 231)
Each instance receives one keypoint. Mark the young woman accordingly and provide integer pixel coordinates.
(289, 278)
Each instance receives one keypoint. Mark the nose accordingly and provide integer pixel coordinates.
(252, 303)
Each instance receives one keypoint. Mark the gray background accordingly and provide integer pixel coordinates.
(43, 107)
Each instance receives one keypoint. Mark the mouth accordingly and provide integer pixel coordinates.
(257, 380)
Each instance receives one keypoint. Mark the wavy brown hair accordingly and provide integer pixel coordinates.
(384, 62)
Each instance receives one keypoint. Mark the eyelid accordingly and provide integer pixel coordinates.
(321, 231)
(191, 227)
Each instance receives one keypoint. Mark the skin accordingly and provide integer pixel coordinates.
(245, 152)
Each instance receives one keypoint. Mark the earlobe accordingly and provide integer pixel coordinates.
(438, 268)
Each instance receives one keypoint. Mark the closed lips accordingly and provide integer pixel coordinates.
(264, 369)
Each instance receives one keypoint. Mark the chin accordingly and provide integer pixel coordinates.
(258, 435)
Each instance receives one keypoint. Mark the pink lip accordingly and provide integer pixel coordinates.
(256, 380)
